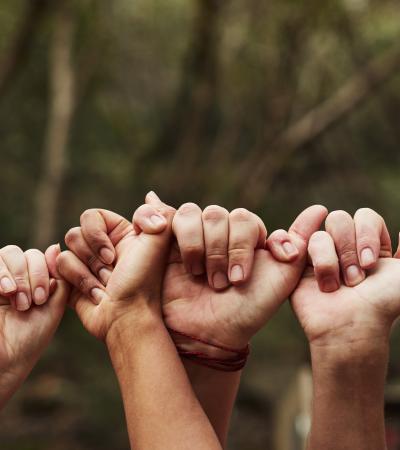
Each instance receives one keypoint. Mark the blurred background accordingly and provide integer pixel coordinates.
(269, 105)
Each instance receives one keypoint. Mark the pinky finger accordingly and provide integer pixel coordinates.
(7, 283)
(281, 246)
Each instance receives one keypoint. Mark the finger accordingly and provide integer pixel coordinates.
(38, 276)
(372, 236)
(307, 223)
(77, 244)
(188, 229)
(340, 225)
(325, 261)
(95, 232)
(147, 219)
(281, 246)
(243, 239)
(153, 199)
(51, 255)
(59, 291)
(216, 237)
(7, 283)
(15, 260)
(73, 270)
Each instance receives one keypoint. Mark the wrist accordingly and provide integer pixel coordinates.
(136, 323)
(368, 353)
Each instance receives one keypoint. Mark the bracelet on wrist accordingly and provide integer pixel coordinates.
(214, 356)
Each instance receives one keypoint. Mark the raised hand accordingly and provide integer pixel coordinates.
(31, 307)
(346, 305)
(130, 285)
(334, 312)
(126, 314)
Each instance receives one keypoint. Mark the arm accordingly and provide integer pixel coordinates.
(161, 409)
(30, 311)
(348, 401)
(347, 322)
(216, 392)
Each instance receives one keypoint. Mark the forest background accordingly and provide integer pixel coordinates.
(269, 105)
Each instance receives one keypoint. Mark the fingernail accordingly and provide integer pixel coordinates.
(97, 295)
(107, 255)
(197, 268)
(330, 284)
(22, 301)
(104, 274)
(53, 286)
(39, 296)
(237, 273)
(7, 285)
(367, 257)
(289, 249)
(354, 275)
(157, 220)
(220, 280)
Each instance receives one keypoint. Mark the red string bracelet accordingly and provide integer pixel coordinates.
(235, 361)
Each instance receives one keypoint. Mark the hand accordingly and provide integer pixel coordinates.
(132, 288)
(26, 327)
(333, 313)
(220, 242)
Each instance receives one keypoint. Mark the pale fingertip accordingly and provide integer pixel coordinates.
(97, 295)
(157, 221)
(354, 275)
(236, 274)
(8, 285)
(367, 257)
(106, 255)
(104, 275)
(290, 250)
(53, 286)
(39, 296)
(22, 301)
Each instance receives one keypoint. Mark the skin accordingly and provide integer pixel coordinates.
(348, 328)
(126, 314)
(28, 321)
(227, 308)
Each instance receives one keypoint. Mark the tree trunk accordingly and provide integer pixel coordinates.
(21, 43)
(62, 102)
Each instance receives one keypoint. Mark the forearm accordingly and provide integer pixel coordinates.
(348, 400)
(161, 409)
(216, 392)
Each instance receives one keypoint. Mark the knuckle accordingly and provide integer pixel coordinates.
(11, 249)
(241, 215)
(337, 216)
(87, 214)
(278, 235)
(83, 283)
(34, 252)
(214, 213)
(189, 208)
(62, 261)
(72, 235)
(239, 252)
(193, 250)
